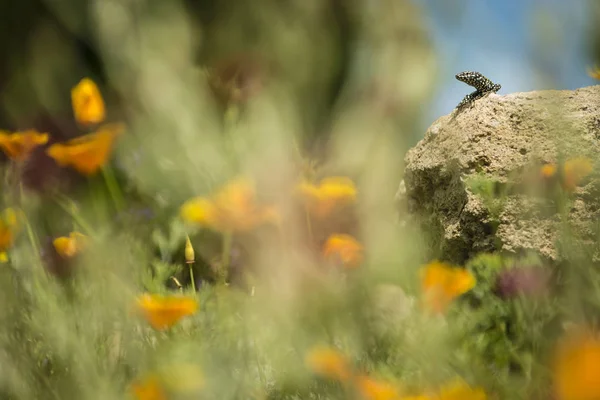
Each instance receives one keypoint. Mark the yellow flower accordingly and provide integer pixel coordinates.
(233, 208)
(576, 367)
(344, 248)
(87, 153)
(442, 283)
(19, 145)
(574, 171)
(459, 390)
(594, 72)
(329, 194)
(88, 105)
(371, 389)
(149, 388)
(9, 227)
(162, 312)
(69, 246)
(3, 257)
(329, 363)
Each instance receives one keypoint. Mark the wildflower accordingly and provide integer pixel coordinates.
(329, 363)
(162, 312)
(331, 192)
(3, 257)
(371, 389)
(575, 368)
(69, 246)
(594, 72)
(189, 251)
(574, 171)
(459, 390)
(344, 248)
(530, 281)
(233, 208)
(149, 388)
(19, 145)
(442, 283)
(87, 153)
(88, 105)
(8, 228)
(548, 171)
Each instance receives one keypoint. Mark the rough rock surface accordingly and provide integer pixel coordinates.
(501, 138)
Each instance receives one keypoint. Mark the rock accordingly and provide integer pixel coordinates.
(501, 139)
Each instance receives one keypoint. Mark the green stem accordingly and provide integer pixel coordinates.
(30, 234)
(225, 257)
(230, 123)
(191, 267)
(75, 215)
(113, 187)
(32, 238)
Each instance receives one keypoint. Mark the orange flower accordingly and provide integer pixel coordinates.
(162, 312)
(233, 208)
(88, 105)
(9, 226)
(574, 171)
(442, 283)
(149, 388)
(460, 390)
(19, 145)
(371, 389)
(344, 248)
(69, 246)
(548, 171)
(329, 363)
(331, 192)
(576, 367)
(87, 153)
(594, 72)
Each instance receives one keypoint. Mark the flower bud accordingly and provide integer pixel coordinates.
(189, 251)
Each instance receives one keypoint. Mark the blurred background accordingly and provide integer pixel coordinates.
(283, 91)
(327, 51)
(523, 45)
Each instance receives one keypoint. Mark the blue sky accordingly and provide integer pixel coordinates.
(522, 44)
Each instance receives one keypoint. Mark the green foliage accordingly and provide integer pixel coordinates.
(492, 192)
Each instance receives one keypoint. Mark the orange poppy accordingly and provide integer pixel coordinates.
(9, 227)
(574, 171)
(345, 249)
(19, 145)
(371, 389)
(234, 208)
(330, 193)
(575, 367)
(329, 363)
(442, 283)
(69, 246)
(150, 388)
(88, 105)
(87, 153)
(162, 312)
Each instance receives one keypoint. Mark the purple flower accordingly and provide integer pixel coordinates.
(526, 281)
